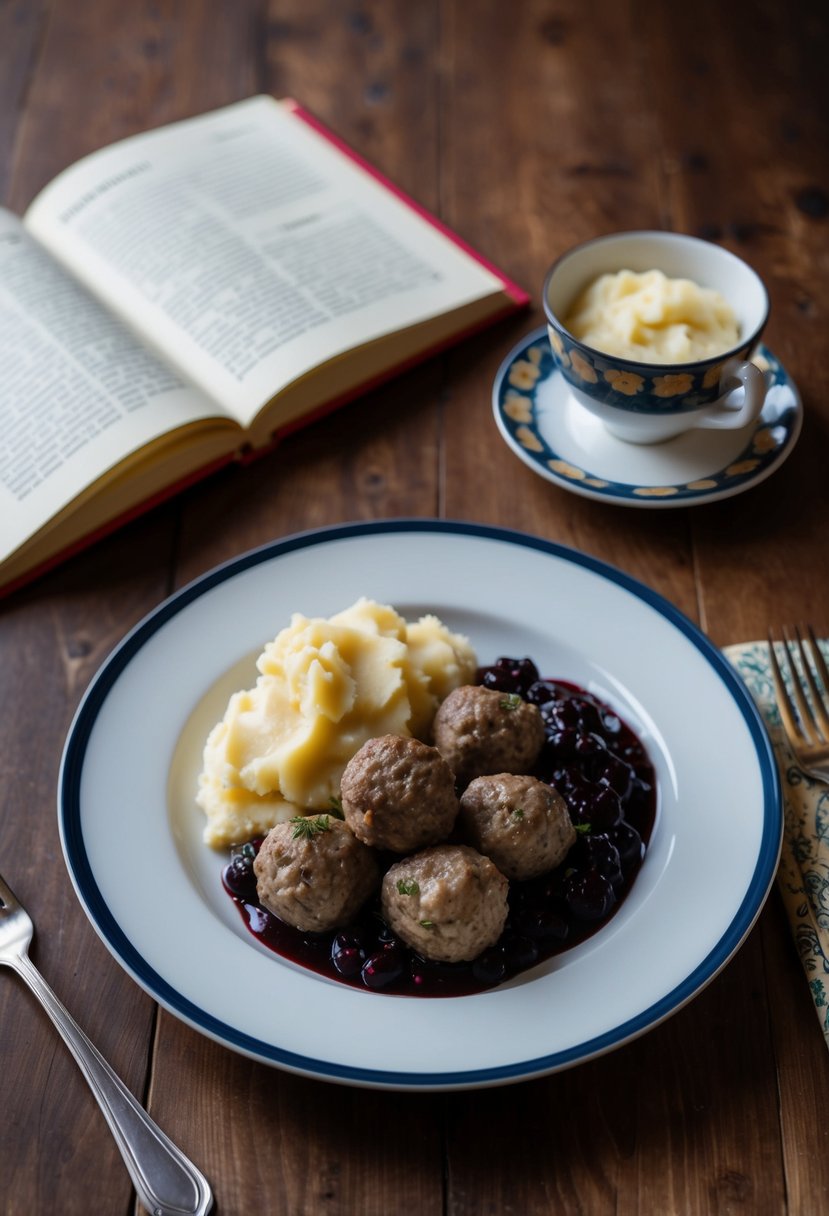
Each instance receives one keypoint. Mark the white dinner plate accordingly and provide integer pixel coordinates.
(132, 833)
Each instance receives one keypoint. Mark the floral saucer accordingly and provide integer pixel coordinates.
(553, 434)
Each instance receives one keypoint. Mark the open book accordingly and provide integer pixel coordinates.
(186, 296)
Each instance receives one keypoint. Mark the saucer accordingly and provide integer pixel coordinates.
(561, 441)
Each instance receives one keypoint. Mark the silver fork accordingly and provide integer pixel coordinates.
(806, 719)
(167, 1183)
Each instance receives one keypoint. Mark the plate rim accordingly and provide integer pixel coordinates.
(116, 940)
(574, 485)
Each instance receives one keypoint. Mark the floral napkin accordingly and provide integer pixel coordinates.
(803, 874)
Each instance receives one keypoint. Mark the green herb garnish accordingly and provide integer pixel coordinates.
(407, 888)
(518, 813)
(336, 804)
(584, 828)
(428, 924)
(510, 702)
(310, 825)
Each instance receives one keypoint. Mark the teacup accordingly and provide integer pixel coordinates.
(648, 402)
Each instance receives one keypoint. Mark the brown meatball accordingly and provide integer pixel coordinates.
(448, 902)
(314, 877)
(520, 823)
(398, 794)
(479, 731)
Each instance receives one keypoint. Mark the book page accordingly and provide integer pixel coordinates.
(248, 248)
(77, 392)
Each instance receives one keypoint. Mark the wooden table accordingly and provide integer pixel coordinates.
(527, 127)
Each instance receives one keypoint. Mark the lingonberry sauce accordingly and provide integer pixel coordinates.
(603, 772)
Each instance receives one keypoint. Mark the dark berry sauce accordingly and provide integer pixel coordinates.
(600, 768)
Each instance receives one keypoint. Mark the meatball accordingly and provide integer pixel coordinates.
(520, 823)
(479, 731)
(313, 873)
(447, 902)
(398, 794)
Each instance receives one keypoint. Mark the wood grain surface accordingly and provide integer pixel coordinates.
(527, 127)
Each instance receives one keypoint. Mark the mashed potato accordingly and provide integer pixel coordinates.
(653, 319)
(326, 686)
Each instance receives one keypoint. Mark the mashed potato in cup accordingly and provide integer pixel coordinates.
(642, 336)
(326, 686)
(652, 318)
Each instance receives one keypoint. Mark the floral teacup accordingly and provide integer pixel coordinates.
(650, 402)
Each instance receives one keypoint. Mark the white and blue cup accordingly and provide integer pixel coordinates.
(651, 402)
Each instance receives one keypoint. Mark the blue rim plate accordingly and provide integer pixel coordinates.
(559, 440)
(131, 832)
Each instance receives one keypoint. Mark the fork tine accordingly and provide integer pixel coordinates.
(821, 702)
(816, 704)
(784, 704)
(808, 726)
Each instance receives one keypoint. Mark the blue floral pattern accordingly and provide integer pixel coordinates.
(803, 874)
(623, 383)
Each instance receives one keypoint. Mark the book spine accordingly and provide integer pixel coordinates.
(517, 294)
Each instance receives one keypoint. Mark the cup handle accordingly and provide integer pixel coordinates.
(726, 418)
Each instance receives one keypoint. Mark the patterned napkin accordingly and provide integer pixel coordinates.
(803, 875)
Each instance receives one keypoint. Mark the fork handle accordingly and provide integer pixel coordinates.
(167, 1183)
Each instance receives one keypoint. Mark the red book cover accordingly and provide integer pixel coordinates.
(514, 298)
